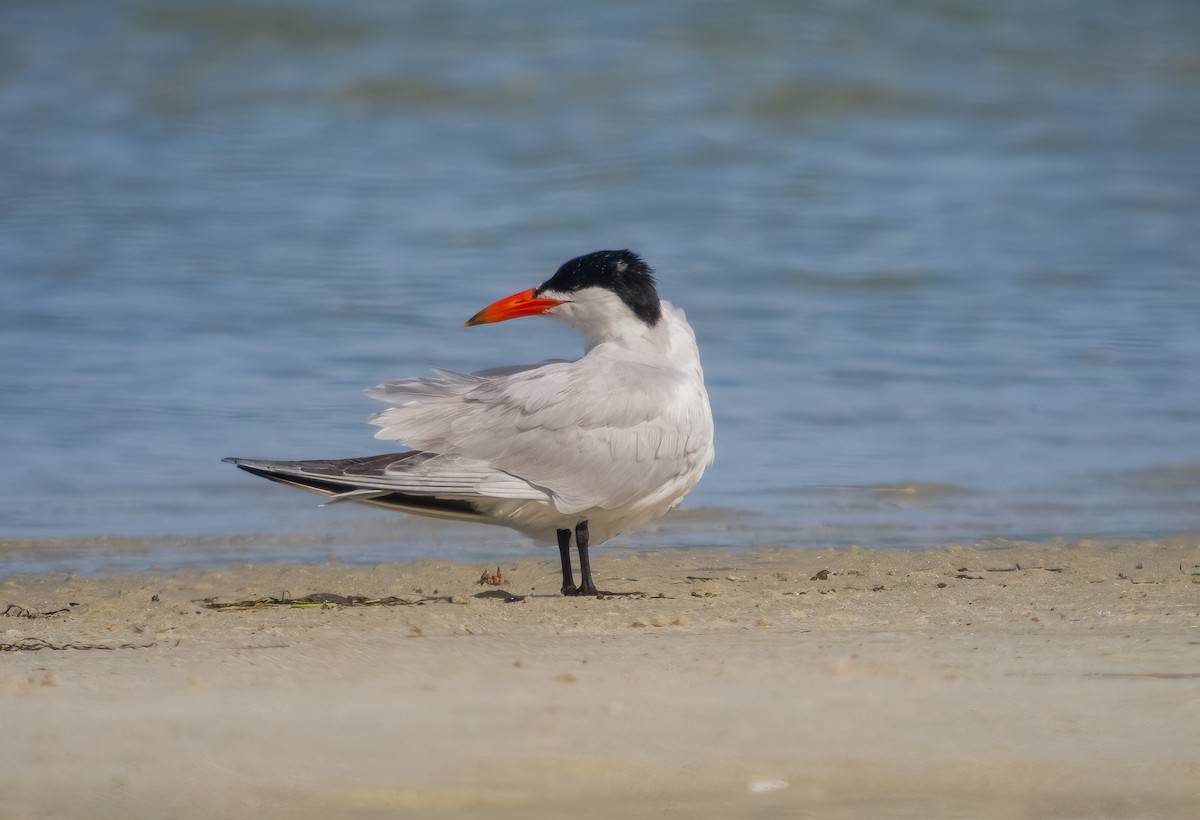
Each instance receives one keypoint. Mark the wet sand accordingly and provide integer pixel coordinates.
(1006, 680)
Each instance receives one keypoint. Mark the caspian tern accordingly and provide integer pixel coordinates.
(596, 446)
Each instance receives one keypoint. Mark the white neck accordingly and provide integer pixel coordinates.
(600, 315)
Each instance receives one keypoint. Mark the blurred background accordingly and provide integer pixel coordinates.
(943, 257)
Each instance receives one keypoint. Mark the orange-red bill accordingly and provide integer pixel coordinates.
(524, 303)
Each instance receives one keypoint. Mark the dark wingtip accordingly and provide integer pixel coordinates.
(231, 460)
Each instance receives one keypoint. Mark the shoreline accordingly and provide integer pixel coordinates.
(100, 556)
(1005, 680)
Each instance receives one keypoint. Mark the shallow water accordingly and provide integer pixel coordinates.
(942, 257)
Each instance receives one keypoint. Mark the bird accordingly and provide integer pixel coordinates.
(591, 447)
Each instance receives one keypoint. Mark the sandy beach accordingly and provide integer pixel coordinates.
(1004, 680)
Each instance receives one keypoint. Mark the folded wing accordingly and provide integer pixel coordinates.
(605, 435)
(414, 481)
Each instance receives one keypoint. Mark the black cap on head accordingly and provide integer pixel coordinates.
(622, 272)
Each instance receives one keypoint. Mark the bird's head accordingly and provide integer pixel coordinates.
(603, 294)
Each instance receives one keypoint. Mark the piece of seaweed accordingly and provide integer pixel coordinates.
(320, 599)
(34, 644)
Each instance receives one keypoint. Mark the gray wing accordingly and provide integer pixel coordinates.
(593, 433)
(414, 481)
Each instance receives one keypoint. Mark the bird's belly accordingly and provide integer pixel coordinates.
(540, 520)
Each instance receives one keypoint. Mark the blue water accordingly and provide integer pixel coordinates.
(943, 258)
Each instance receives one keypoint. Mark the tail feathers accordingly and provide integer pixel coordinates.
(329, 478)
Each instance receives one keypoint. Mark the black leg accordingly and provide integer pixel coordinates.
(564, 553)
(586, 587)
